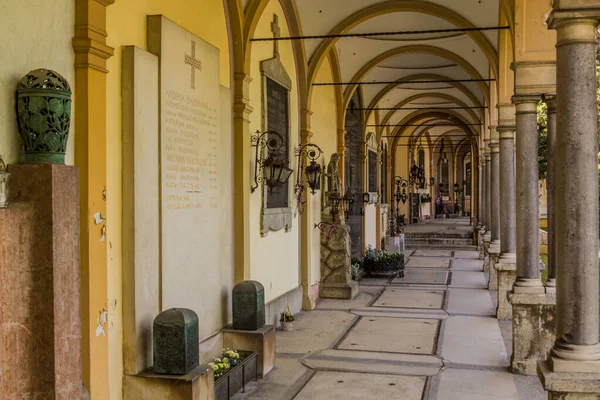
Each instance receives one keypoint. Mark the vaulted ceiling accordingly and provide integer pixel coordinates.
(409, 57)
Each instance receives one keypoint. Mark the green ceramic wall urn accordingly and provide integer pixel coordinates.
(44, 116)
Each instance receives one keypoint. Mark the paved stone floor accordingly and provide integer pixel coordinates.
(429, 335)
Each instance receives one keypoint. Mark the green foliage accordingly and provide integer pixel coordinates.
(379, 261)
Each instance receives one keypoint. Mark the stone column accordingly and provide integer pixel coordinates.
(528, 248)
(494, 248)
(487, 237)
(488, 187)
(506, 266)
(576, 349)
(551, 188)
(495, 188)
(484, 195)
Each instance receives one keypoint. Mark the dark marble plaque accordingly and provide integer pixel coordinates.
(248, 305)
(175, 337)
(372, 165)
(277, 120)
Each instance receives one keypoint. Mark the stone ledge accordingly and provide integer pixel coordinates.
(505, 266)
(195, 385)
(533, 298)
(332, 290)
(262, 340)
(566, 382)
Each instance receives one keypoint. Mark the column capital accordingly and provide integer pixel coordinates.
(550, 100)
(573, 12)
(526, 104)
(506, 115)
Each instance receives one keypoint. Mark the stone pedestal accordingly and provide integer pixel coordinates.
(261, 340)
(486, 246)
(336, 282)
(195, 385)
(40, 320)
(534, 330)
(492, 260)
(507, 273)
(568, 386)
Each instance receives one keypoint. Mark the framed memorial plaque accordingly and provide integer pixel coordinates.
(276, 213)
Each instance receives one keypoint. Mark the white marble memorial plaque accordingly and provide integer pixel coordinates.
(189, 145)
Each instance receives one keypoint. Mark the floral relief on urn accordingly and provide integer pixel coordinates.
(44, 116)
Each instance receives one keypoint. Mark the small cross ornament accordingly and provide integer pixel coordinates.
(195, 64)
(276, 34)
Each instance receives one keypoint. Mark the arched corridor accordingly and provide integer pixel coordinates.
(214, 168)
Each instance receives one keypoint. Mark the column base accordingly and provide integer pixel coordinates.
(261, 340)
(507, 273)
(568, 386)
(575, 358)
(493, 258)
(345, 291)
(533, 330)
(551, 286)
(195, 385)
(531, 286)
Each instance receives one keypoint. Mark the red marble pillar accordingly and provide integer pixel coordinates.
(40, 318)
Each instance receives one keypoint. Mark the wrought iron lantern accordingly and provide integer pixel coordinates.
(313, 170)
(272, 170)
(431, 181)
(4, 175)
(400, 193)
(275, 171)
(414, 172)
(334, 200)
(348, 202)
(456, 188)
(366, 198)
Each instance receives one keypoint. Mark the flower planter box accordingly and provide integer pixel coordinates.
(237, 377)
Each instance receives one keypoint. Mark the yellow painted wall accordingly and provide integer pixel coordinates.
(324, 130)
(35, 34)
(533, 40)
(126, 25)
(274, 259)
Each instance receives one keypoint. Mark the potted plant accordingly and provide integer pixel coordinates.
(287, 320)
(233, 370)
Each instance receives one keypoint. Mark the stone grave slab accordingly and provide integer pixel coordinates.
(470, 301)
(474, 341)
(466, 254)
(400, 312)
(361, 300)
(382, 334)
(470, 279)
(481, 385)
(190, 151)
(360, 386)
(427, 262)
(423, 276)
(410, 298)
(466, 265)
(380, 363)
(313, 331)
(433, 253)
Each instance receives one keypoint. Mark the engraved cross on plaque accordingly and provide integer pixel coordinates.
(195, 64)
(276, 34)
